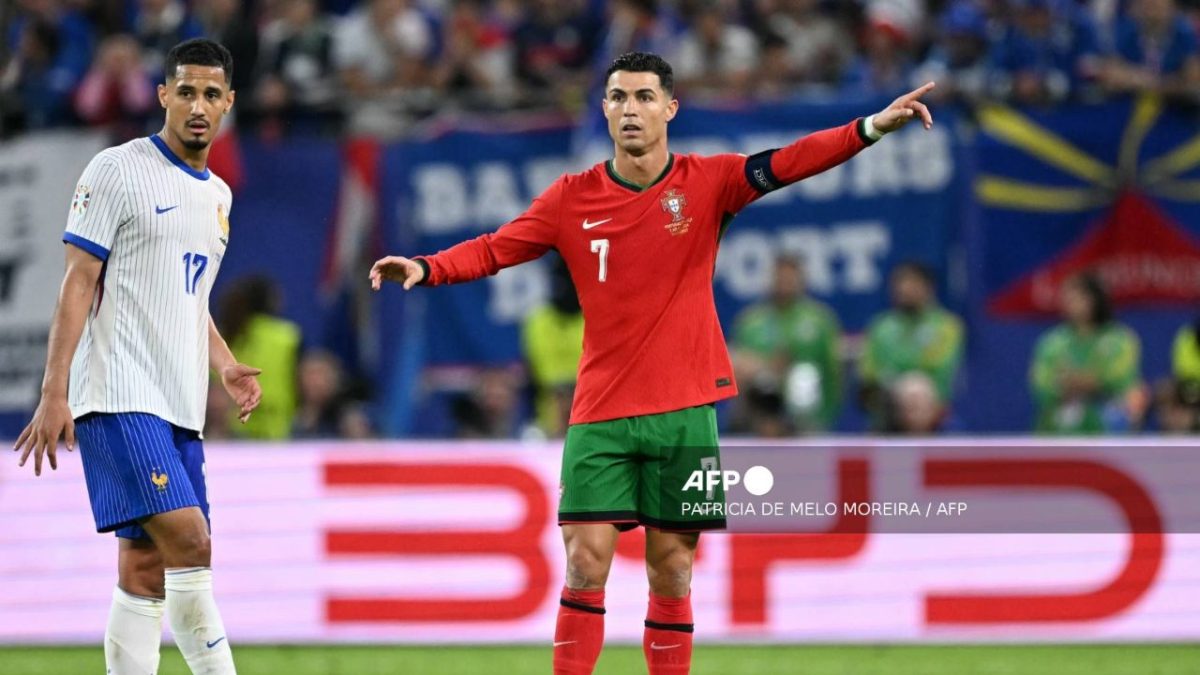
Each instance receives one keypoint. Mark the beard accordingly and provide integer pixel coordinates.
(195, 143)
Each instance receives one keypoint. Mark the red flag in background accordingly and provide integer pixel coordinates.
(225, 156)
(353, 243)
(1141, 254)
(354, 232)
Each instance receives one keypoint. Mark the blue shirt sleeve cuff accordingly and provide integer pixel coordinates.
(86, 244)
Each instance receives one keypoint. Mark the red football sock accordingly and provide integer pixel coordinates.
(580, 631)
(668, 639)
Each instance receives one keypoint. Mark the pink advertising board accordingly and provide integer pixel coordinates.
(430, 542)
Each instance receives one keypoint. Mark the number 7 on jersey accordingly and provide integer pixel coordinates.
(601, 246)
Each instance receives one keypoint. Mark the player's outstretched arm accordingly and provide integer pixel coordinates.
(396, 268)
(52, 418)
(904, 110)
(240, 380)
(522, 239)
(749, 178)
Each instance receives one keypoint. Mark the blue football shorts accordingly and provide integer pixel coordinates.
(137, 465)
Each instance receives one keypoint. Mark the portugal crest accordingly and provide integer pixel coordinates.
(673, 202)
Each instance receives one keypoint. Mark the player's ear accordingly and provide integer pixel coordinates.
(672, 109)
(229, 97)
(162, 96)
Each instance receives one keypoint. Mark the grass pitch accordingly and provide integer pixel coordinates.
(1140, 659)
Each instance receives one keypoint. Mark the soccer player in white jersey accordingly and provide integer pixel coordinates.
(130, 347)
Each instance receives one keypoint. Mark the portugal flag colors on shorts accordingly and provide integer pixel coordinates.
(642, 259)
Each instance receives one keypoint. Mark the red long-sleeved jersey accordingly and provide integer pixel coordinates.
(642, 259)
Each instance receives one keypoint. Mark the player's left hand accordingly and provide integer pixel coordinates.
(239, 380)
(904, 110)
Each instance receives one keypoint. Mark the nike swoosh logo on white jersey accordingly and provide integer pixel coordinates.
(655, 645)
(568, 642)
(588, 226)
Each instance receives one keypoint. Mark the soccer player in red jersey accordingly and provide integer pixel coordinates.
(639, 234)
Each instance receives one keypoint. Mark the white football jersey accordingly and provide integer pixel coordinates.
(161, 228)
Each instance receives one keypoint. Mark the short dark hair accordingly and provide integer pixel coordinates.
(918, 269)
(644, 62)
(198, 52)
(1089, 282)
(789, 260)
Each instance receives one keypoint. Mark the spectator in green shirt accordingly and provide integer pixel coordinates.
(916, 335)
(1185, 354)
(552, 342)
(1178, 400)
(786, 358)
(1085, 374)
(250, 322)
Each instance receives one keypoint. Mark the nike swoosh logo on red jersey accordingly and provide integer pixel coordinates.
(655, 645)
(588, 226)
(568, 642)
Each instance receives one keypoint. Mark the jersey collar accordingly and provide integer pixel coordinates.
(174, 159)
(630, 185)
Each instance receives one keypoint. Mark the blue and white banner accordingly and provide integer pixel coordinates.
(38, 173)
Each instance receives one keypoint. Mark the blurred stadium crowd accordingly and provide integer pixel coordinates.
(378, 67)
(1084, 376)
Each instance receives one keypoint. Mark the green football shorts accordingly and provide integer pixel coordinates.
(633, 470)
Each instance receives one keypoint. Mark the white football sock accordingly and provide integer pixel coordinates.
(134, 632)
(195, 621)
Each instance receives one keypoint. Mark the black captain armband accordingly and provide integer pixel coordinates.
(759, 174)
(424, 267)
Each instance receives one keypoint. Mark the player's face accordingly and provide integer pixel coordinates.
(196, 100)
(637, 110)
